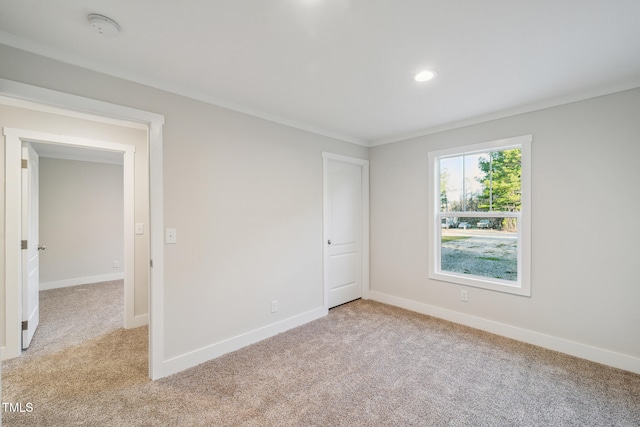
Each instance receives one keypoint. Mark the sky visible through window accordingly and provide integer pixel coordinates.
(460, 178)
(481, 228)
(479, 246)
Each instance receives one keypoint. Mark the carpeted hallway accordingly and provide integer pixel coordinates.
(364, 364)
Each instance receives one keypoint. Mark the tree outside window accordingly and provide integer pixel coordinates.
(477, 230)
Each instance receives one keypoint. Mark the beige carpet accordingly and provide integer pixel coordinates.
(366, 364)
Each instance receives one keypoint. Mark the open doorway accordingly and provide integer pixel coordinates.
(81, 216)
(81, 236)
(69, 106)
(85, 310)
(18, 281)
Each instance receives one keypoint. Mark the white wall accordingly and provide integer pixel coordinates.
(81, 222)
(585, 283)
(245, 196)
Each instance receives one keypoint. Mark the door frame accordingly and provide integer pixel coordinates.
(36, 98)
(13, 223)
(364, 235)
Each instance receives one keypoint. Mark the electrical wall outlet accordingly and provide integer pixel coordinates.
(274, 306)
(464, 295)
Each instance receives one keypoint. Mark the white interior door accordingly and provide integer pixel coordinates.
(344, 232)
(30, 254)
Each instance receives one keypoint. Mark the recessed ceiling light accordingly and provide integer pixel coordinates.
(103, 25)
(425, 76)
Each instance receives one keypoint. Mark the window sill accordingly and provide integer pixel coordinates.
(498, 285)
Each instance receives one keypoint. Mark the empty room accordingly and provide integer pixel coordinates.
(330, 212)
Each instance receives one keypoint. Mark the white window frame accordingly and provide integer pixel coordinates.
(522, 286)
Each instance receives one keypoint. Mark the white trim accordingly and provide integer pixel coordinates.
(204, 354)
(364, 236)
(13, 143)
(48, 52)
(515, 111)
(345, 159)
(77, 106)
(76, 281)
(325, 237)
(86, 156)
(30, 105)
(583, 351)
(100, 110)
(502, 144)
(12, 256)
(156, 251)
(523, 285)
(365, 230)
(138, 320)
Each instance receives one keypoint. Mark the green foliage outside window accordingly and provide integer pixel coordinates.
(502, 184)
(501, 181)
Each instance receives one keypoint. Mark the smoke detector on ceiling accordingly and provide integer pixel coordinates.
(103, 25)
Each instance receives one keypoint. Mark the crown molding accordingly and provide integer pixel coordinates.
(514, 111)
(76, 60)
(40, 49)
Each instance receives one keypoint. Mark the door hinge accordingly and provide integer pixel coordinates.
(25, 325)
(23, 244)
(25, 163)
(151, 263)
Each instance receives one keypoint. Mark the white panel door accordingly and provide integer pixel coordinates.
(344, 232)
(30, 255)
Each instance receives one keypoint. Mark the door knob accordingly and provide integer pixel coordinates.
(41, 247)
(328, 242)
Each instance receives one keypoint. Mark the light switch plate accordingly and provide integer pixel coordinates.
(170, 237)
(139, 228)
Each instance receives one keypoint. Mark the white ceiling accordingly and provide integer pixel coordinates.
(345, 68)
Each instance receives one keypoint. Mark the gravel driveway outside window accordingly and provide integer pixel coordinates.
(486, 253)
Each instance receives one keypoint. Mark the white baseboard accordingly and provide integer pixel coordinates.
(137, 321)
(45, 286)
(5, 354)
(583, 351)
(196, 357)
